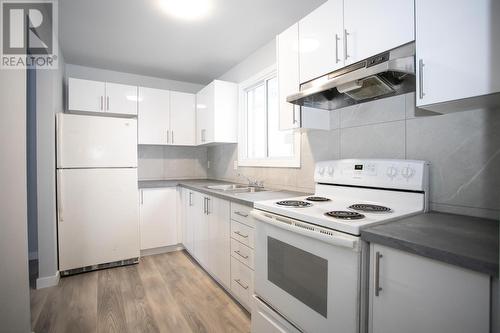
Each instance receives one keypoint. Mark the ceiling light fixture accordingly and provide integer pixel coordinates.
(187, 9)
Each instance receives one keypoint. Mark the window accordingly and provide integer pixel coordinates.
(261, 142)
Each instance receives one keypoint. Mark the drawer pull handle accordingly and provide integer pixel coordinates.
(241, 214)
(238, 281)
(378, 288)
(240, 234)
(241, 255)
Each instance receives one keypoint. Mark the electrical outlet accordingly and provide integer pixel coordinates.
(208, 164)
(235, 165)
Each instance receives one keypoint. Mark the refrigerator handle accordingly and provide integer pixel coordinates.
(59, 196)
(59, 127)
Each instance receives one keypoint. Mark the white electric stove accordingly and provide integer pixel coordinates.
(309, 259)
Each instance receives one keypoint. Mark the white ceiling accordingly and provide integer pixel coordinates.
(136, 36)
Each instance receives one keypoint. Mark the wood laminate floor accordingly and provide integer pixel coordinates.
(163, 293)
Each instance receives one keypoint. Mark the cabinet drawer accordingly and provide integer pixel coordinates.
(242, 252)
(241, 214)
(242, 233)
(241, 282)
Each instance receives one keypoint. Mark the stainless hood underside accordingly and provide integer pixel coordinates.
(387, 74)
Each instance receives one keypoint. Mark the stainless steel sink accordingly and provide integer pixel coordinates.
(236, 188)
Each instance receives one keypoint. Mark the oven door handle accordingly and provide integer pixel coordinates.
(323, 234)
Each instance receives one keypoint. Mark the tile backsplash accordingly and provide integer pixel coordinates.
(463, 149)
(165, 162)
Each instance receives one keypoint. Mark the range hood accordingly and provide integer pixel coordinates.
(387, 74)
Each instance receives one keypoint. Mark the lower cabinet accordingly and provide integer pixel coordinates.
(413, 294)
(158, 217)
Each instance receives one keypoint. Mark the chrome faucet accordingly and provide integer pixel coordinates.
(252, 182)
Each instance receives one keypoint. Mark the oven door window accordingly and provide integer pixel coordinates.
(301, 274)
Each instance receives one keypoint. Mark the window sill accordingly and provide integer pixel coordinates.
(270, 163)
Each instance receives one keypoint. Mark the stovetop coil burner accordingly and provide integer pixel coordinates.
(370, 208)
(318, 199)
(294, 203)
(345, 215)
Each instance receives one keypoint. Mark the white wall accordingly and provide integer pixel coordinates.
(50, 100)
(14, 287)
(90, 73)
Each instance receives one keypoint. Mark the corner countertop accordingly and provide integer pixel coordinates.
(464, 241)
(200, 185)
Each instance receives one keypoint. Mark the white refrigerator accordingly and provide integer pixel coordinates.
(97, 196)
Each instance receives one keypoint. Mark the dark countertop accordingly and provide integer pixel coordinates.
(200, 185)
(464, 241)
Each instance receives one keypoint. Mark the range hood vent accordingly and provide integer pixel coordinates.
(388, 74)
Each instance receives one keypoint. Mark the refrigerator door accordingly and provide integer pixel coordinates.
(98, 216)
(96, 142)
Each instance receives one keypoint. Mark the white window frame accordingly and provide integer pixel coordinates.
(243, 160)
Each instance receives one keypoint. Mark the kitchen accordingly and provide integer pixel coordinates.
(317, 167)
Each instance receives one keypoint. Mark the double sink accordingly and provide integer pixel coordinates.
(237, 188)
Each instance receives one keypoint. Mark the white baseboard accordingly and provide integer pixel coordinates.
(33, 255)
(48, 281)
(160, 250)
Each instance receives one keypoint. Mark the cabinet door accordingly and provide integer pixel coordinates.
(287, 53)
(219, 240)
(158, 211)
(200, 225)
(321, 41)
(470, 32)
(121, 98)
(376, 26)
(182, 118)
(204, 114)
(86, 95)
(193, 207)
(422, 295)
(154, 116)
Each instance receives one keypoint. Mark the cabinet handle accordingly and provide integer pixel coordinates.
(172, 136)
(240, 234)
(190, 198)
(101, 103)
(107, 103)
(241, 214)
(378, 288)
(142, 197)
(337, 38)
(241, 255)
(202, 135)
(208, 206)
(345, 44)
(204, 205)
(421, 78)
(168, 135)
(238, 281)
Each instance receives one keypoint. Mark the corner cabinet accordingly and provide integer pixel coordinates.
(101, 97)
(166, 117)
(158, 217)
(413, 294)
(216, 113)
(457, 57)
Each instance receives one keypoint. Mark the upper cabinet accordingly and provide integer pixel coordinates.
(216, 113)
(101, 97)
(182, 118)
(457, 57)
(375, 26)
(321, 40)
(166, 117)
(154, 116)
(339, 33)
(287, 55)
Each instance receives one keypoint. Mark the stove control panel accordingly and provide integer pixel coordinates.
(381, 173)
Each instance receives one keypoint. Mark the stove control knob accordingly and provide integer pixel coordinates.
(330, 171)
(321, 170)
(392, 172)
(407, 172)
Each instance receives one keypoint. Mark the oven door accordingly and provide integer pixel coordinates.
(308, 274)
